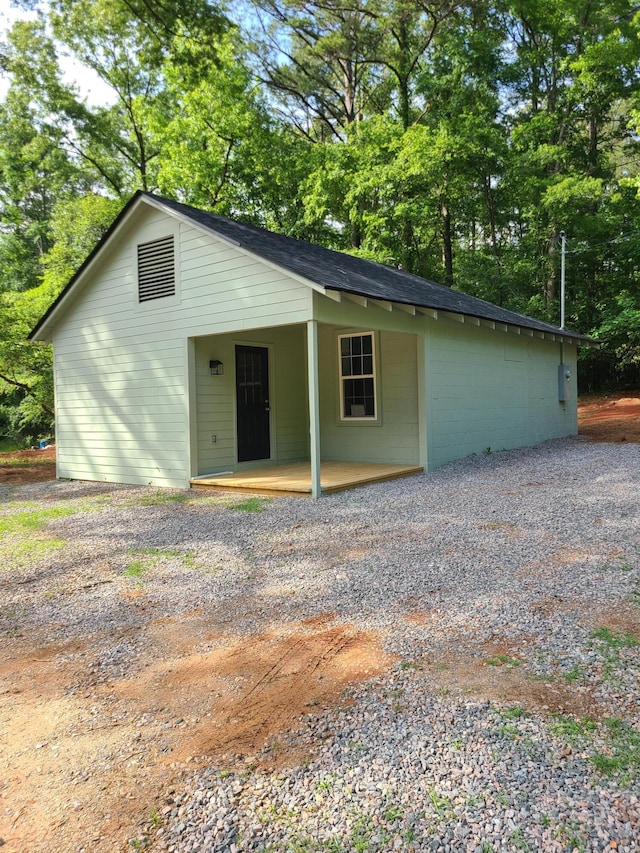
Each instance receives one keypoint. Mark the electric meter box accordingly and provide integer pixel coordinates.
(564, 383)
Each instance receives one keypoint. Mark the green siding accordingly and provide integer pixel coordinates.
(394, 438)
(121, 368)
(493, 389)
(484, 387)
(215, 396)
(346, 313)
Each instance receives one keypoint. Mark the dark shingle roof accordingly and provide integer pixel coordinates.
(333, 270)
(349, 274)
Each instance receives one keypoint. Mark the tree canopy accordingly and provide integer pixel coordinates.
(453, 139)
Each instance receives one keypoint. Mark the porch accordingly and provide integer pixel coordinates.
(295, 478)
(278, 395)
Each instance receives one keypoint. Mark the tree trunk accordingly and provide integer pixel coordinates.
(447, 247)
(491, 212)
(406, 256)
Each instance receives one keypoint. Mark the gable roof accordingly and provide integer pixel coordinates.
(329, 269)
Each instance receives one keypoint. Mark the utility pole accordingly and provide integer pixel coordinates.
(563, 250)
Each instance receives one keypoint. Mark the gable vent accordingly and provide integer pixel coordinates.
(156, 269)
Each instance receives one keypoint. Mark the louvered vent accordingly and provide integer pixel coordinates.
(156, 269)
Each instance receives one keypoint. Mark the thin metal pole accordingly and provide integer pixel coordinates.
(563, 249)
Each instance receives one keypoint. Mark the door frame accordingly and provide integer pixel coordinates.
(255, 463)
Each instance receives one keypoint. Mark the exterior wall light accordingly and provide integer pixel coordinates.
(216, 367)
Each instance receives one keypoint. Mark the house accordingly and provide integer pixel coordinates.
(188, 345)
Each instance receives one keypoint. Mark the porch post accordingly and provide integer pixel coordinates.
(314, 406)
(192, 423)
(423, 404)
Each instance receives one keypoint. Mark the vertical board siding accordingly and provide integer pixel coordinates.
(492, 390)
(215, 397)
(122, 396)
(395, 437)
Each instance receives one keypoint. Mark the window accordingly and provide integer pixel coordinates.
(357, 376)
(156, 269)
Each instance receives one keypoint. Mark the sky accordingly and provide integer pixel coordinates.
(90, 85)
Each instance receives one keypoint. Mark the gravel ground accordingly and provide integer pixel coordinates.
(505, 575)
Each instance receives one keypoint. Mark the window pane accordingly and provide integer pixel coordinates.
(356, 363)
(359, 400)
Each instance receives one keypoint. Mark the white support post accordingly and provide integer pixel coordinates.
(192, 420)
(423, 419)
(314, 407)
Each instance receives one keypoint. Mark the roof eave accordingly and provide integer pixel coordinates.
(552, 333)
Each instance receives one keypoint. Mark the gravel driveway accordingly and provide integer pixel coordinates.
(503, 593)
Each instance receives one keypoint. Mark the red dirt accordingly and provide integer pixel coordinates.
(87, 762)
(613, 417)
(28, 466)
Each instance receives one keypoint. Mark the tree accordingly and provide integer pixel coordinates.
(409, 184)
(35, 168)
(315, 58)
(572, 67)
(216, 149)
(26, 371)
(113, 140)
(331, 65)
(452, 138)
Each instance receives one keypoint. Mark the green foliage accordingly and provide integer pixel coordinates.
(251, 505)
(619, 333)
(455, 140)
(35, 168)
(77, 224)
(621, 752)
(614, 641)
(136, 569)
(19, 545)
(503, 660)
(219, 149)
(513, 713)
(613, 745)
(17, 554)
(573, 729)
(163, 498)
(32, 520)
(26, 370)
(8, 445)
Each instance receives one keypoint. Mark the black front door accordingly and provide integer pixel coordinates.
(252, 396)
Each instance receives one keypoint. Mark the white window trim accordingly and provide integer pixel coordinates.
(368, 419)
